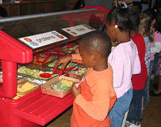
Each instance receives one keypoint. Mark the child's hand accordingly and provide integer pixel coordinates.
(63, 60)
(75, 91)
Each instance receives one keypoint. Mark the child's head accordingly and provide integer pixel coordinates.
(158, 6)
(3, 12)
(135, 19)
(148, 17)
(94, 47)
(118, 21)
(157, 24)
(145, 24)
(137, 7)
(152, 13)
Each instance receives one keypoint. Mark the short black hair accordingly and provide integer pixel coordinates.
(152, 13)
(158, 4)
(157, 24)
(3, 12)
(97, 41)
(120, 16)
(135, 19)
(138, 4)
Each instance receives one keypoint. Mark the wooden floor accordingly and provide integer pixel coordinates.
(151, 116)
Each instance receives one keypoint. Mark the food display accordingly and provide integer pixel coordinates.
(62, 85)
(1, 78)
(78, 74)
(24, 87)
(33, 72)
(40, 60)
(70, 64)
(81, 71)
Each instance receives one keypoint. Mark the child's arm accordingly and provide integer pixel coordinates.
(137, 65)
(77, 58)
(65, 59)
(156, 48)
(118, 70)
(99, 107)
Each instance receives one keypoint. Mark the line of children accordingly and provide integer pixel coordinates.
(138, 81)
(95, 96)
(148, 18)
(124, 60)
(157, 49)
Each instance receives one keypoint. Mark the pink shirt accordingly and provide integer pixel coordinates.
(125, 62)
(156, 45)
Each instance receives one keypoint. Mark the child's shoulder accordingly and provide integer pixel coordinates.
(123, 47)
(138, 38)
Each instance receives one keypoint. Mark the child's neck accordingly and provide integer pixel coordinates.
(101, 64)
(123, 37)
(133, 33)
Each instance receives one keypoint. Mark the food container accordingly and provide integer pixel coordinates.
(79, 73)
(47, 89)
(21, 90)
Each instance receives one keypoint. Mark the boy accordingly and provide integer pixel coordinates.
(95, 96)
(137, 7)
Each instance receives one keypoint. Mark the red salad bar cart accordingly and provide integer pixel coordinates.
(35, 108)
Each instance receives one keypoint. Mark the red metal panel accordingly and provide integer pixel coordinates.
(42, 108)
(12, 52)
(7, 117)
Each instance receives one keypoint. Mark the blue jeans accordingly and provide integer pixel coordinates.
(120, 107)
(153, 68)
(135, 109)
(154, 64)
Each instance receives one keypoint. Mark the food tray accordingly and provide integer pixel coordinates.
(33, 73)
(60, 66)
(46, 88)
(26, 92)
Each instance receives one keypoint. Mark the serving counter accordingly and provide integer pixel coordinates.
(36, 108)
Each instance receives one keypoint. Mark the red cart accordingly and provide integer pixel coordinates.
(35, 108)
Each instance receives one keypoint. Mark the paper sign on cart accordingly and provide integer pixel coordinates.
(39, 40)
(79, 30)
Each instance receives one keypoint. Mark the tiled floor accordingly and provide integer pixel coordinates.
(151, 116)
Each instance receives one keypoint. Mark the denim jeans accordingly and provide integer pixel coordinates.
(120, 107)
(153, 68)
(154, 64)
(135, 108)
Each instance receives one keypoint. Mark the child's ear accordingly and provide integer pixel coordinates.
(153, 22)
(93, 56)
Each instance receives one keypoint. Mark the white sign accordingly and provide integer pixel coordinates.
(39, 40)
(78, 30)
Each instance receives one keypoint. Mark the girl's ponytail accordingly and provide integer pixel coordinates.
(120, 16)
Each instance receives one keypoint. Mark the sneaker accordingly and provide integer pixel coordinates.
(139, 125)
(152, 77)
(129, 124)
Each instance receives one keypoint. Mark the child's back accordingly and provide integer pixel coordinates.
(148, 53)
(139, 81)
(124, 58)
(95, 96)
(88, 107)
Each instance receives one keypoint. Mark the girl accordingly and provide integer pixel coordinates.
(148, 20)
(124, 60)
(138, 81)
(157, 49)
